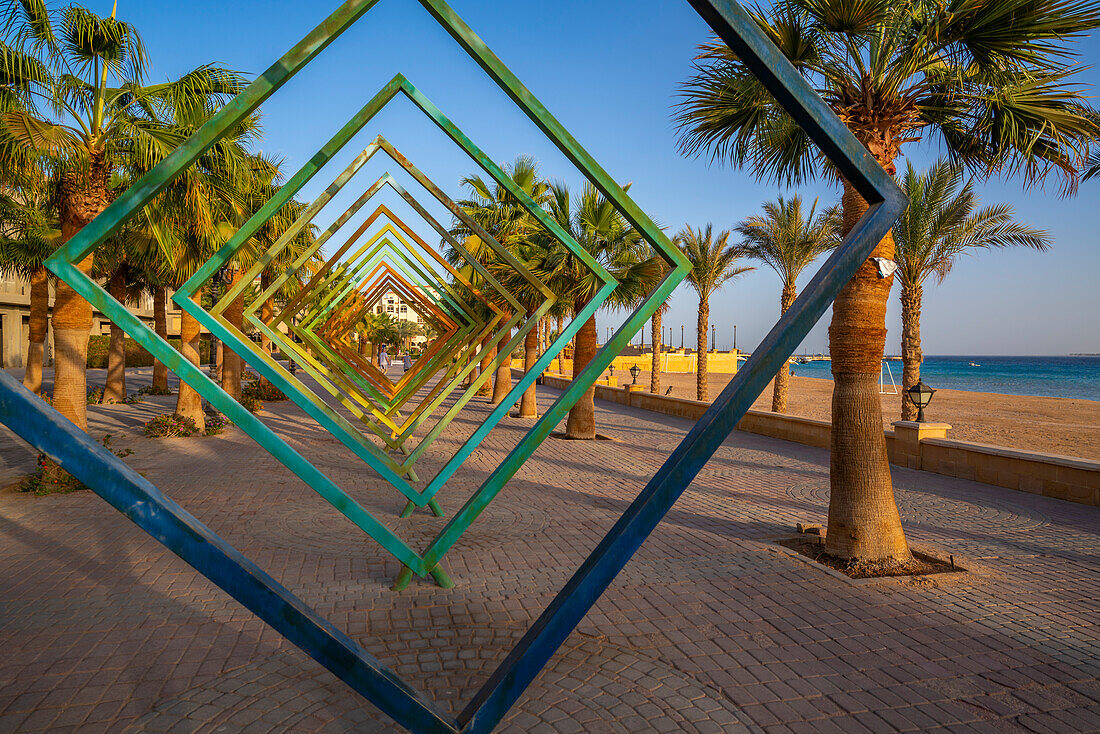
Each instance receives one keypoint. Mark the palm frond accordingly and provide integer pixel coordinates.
(941, 224)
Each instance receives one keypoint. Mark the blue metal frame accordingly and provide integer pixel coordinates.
(44, 428)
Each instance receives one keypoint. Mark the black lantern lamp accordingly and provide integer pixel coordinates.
(634, 374)
(921, 395)
(611, 370)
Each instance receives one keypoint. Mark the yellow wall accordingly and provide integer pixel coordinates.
(670, 362)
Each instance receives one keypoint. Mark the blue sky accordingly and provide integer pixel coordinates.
(609, 71)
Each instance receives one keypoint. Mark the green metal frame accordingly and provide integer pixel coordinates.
(140, 195)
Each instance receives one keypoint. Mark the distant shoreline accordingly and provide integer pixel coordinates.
(955, 389)
(1052, 425)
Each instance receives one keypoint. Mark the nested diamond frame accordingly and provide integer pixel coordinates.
(131, 494)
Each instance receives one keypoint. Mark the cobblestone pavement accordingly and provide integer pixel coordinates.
(710, 628)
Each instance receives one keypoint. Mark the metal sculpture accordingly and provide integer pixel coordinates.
(134, 496)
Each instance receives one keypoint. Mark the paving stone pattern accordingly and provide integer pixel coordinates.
(710, 628)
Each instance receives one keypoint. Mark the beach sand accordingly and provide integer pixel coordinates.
(1061, 426)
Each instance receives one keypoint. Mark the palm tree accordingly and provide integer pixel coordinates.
(940, 225)
(713, 263)
(122, 262)
(406, 330)
(788, 242)
(656, 328)
(262, 185)
(505, 219)
(656, 331)
(31, 234)
(82, 79)
(190, 222)
(601, 230)
(991, 80)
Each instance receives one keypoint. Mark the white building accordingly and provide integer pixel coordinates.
(394, 305)
(15, 313)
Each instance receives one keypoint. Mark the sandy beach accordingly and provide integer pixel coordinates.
(1051, 425)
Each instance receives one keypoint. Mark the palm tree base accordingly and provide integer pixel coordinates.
(864, 522)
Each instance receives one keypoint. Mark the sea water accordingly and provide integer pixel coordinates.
(1056, 377)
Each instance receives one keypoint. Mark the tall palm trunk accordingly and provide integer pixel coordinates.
(486, 387)
(783, 377)
(502, 382)
(267, 313)
(115, 389)
(82, 196)
(528, 403)
(701, 348)
(582, 416)
(189, 402)
(911, 354)
(656, 331)
(232, 364)
(36, 349)
(160, 326)
(863, 516)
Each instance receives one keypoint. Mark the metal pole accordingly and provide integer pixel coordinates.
(735, 337)
(713, 345)
(681, 336)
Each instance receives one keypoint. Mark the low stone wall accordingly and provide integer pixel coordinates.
(1063, 477)
(912, 445)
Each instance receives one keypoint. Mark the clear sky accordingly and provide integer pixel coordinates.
(609, 71)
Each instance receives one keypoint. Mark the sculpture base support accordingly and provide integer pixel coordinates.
(432, 505)
(438, 574)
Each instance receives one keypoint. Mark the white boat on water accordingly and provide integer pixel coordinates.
(974, 364)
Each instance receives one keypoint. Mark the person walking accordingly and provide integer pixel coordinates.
(384, 359)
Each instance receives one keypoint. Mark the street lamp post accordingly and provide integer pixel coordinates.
(713, 341)
(735, 337)
(921, 395)
(681, 336)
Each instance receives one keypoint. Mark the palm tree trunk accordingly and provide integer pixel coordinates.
(267, 313)
(188, 401)
(82, 196)
(528, 403)
(783, 377)
(701, 348)
(863, 516)
(503, 382)
(656, 331)
(232, 364)
(160, 326)
(115, 389)
(40, 307)
(911, 354)
(486, 387)
(582, 416)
